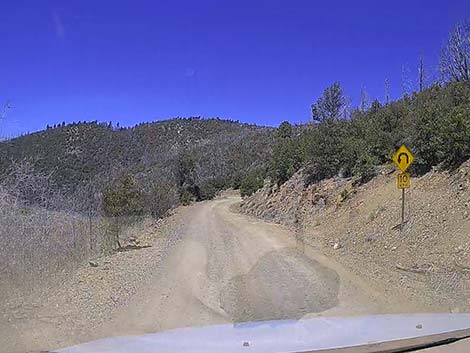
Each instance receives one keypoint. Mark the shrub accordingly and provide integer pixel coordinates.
(455, 135)
(123, 199)
(434, 124)
(251, 183)
(210, 188)
(325, 149)
(186, 197)
(286, 158)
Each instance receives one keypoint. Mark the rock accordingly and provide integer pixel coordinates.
(336, 246)
(93, 263)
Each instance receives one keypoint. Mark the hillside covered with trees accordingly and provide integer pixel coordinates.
(434, 124)
(156, 164)
(433, 121)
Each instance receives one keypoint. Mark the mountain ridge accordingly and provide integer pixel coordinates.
(223, 150)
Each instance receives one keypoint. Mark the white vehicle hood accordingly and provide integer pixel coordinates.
(375, 333)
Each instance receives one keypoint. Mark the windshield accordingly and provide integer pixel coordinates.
(171, 165)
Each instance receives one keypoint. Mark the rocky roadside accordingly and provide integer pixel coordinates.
(428, 262)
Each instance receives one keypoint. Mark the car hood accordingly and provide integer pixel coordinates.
(374, 333)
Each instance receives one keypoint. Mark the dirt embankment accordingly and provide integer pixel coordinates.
(429, 261)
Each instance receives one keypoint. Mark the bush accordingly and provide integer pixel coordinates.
(434, 124)
(210, 188)
(236, 181)
(455, 135)
(160, 198)
(252, 183)
(286, 158)
(123, 199)
(325, 149)
(441, 131)
(186, 197)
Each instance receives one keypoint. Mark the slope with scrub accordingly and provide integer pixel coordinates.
(358, 225)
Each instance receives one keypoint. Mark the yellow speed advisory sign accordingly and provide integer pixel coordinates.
(403, 180)
(403, 158)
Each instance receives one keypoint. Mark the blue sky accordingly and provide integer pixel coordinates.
(256, 61)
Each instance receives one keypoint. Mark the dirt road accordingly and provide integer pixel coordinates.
(233, 268)
(225, 267)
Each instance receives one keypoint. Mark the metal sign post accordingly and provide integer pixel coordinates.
(403, 182)
(402, 209)
(403, 159)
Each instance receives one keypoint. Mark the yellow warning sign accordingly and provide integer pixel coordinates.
(403, 158)
(403, 180)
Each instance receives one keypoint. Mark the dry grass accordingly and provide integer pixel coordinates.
(46, 233)
(39, 246)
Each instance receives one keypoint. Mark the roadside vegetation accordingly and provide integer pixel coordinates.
(195, 156)
(44, 233)
(434, 122)
(71, 192)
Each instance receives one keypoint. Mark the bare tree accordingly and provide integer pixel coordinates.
(364, 100)
(387, 91)
(455, 55)
(421, 74)
(406, 86)
(28, 186)
(5, 109)
(3, 113)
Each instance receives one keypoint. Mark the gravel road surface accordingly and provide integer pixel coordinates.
(212, 266)
(230, 267)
